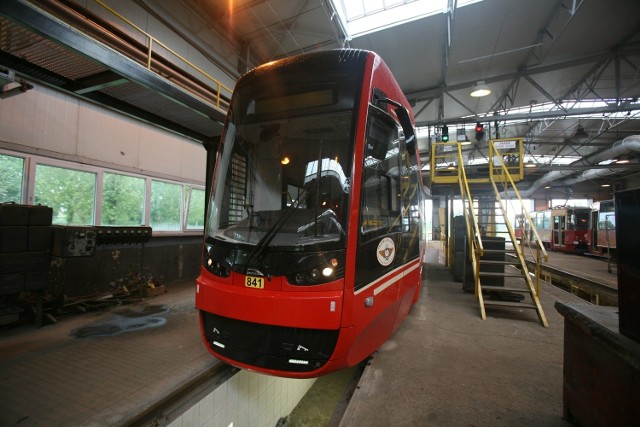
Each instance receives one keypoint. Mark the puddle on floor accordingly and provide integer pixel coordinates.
(127, 320)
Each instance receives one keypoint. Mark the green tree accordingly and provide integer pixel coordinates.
(195, 218)
(71, 194)
(166, 204)
(122, 200)
(11, 173)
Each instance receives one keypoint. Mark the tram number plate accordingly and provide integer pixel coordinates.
(254, 282)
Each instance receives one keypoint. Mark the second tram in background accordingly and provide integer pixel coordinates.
(561, 229)
(578, 230)
(602, 236)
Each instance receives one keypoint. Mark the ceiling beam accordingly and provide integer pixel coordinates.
(534, 116)
(426, 94)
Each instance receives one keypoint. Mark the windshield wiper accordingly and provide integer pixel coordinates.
(256, 252)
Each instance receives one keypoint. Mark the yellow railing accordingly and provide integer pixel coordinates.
(474, 237)
(220, 90)
(504, 177)
(445, 159)
(509, 151)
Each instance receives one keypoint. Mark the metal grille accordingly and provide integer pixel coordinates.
(268, 346)
(238, 186)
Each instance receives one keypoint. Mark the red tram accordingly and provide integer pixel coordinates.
(314, 239)
(564, 228)
(602, 236)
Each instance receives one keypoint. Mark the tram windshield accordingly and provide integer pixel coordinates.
(284, 183)
(579, 220)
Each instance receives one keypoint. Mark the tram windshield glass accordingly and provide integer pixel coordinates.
(283, 179)
(579, 219)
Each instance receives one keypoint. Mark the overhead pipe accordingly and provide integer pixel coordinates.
(619, 148)
(591, 174)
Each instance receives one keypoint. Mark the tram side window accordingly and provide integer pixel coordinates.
(606, 221)
(546, 221)
(380, 204)
(539, 220)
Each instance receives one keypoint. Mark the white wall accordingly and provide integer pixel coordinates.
(246, 399)
(51, 123)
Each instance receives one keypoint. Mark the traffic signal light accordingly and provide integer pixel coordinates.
(445, 133)
(479, 131)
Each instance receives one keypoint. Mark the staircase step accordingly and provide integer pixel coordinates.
(492, 274)
(510, 304)
(503, 289)
(487, 262)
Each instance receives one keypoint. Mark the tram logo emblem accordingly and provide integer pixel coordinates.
(386, 251)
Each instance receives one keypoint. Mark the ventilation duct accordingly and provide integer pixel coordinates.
(630, 144)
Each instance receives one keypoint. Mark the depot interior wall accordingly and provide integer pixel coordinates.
(187, 28)
(246, 399)
(54, 124)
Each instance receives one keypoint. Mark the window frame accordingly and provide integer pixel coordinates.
(31, 161)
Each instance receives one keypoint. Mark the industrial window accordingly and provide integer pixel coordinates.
(122, 200)
(166, 205)
(11, 178)
(92, 195)
(71, 194)
(195, 203)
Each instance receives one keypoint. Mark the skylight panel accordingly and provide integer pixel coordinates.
(361, 17)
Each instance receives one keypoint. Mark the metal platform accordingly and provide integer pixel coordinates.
(583, 275)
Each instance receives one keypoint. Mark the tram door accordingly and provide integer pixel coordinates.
(559, 218)
(594, 231)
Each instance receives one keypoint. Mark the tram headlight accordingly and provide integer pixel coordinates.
(315, 275)
(214, 266)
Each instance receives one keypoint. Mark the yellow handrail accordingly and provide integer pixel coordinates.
(219, 87)
(466, 191)
(476, 248)
(517, 193)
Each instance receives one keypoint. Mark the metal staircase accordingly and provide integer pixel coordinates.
(500, 274)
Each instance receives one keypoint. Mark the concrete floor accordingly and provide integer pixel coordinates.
(446, 366)
(84, 371)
